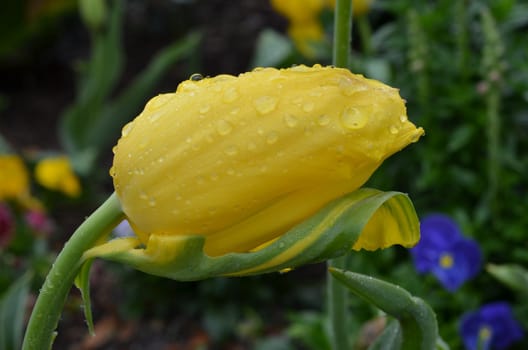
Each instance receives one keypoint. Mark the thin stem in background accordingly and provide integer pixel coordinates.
(337, 293)
(40, 332)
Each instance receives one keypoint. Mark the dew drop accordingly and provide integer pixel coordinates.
(230, 171)
(323, 120)
(230, 95)
(265, 104)
(223, 127)
(290, 120)
(204, 109)
(403, 118)
(158, 101)
(127, 129)
(143, 195)
(272, 137)
(394, 129)
(161, 159)
(351, 118)
(348, 88)
(213, 176)
(235, 111)
(308, 107)
(196, 77)
(251, 146)
(152, 202)
(231, 150)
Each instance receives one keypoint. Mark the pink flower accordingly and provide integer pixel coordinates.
(39, 222)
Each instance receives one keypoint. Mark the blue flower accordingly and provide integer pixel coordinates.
(492, 327)
(445, 252)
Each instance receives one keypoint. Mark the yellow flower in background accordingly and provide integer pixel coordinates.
(304, 28)
(306, 35)
(55, 173)
(14, 177)
(359, 7)
(241, 160)
(299, 11)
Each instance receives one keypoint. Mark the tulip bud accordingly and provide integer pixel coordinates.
(241, 160)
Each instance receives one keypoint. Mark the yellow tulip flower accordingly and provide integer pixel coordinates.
(14, 178)
(306, 35)
(55, 173)
(241, 160)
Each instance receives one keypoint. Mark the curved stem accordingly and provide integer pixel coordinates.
(336, 293)
(40, 332)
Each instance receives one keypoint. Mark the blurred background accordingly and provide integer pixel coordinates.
(73, 72)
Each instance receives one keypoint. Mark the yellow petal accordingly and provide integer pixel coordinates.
(14, 178)
(55, 173)
(242, 159)
(298, 10)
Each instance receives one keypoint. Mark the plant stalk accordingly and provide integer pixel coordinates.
(337, 293)
(45, 316)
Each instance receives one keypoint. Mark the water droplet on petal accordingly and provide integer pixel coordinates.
(251, 146)
(403, 118)
(143, 195)
(152, 202)
(352, 118)
(308, 107)
(230, 171)
(272, 137)
(265, 104)
(204, 109)
(394, 129)
(127, 129)
(231, 150)
(348, 87)
(230, 95)
(290, 120)
(223, 127)
(196, 77)
(323, 120)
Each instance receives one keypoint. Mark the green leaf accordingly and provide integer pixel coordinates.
(125, 107)
(12, 313)
(331, 232)
(390, 339)
(82, 282)
(272, 49)
(511, 275)
(97, 81)
(417, 319)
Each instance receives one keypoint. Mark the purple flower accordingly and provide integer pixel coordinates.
(6, 225)
(445, 252)
(492, 327)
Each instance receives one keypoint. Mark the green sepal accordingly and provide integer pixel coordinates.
(82, 282)
(329, 233)
(416, 318)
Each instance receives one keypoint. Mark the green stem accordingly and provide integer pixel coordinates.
(342, 33)
(493, 129)
(337, 294)
(337, 307)
(40, 332)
